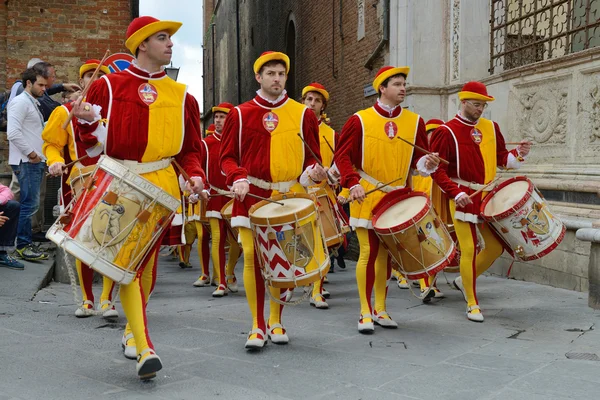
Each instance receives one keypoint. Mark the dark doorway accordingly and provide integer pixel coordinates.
(290, 50)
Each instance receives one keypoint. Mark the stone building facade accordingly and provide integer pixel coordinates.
(64, 33)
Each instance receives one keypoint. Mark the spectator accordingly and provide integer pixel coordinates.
(25, 125)
(9, 219)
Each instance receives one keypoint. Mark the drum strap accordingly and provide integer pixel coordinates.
(376, 183)
(221, 191)
(145, 167)
(281, 187)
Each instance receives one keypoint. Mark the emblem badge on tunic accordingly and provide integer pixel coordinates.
(148, 93)
(391, 129)
(476, 135)
(270, 121)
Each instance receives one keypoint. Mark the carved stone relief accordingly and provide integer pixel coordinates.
(455, 39)
(588, 110)
(540, 112)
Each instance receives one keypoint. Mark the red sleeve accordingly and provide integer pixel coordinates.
(189, 156)
(97, 95)
(230, 151)
(310, 134)
(501, 151)
(442, 143)
(421, 141)
(348, 152)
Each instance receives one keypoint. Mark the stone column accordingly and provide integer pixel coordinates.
(593, 235)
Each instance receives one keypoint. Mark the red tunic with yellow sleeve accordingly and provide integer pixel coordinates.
(211, 149)
(369, 151)
(260, 140)
(474, 151)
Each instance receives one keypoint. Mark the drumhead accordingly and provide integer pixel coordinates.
(401, 212)
(506, 198)
(291, 206)
(227, 209)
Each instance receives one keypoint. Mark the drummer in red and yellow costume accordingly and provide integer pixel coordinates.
(316, 97)
(220, 231)
(261, 153)
(210, 130)
(368, 156)
(61, 145)
(143, 117)
(475, 148)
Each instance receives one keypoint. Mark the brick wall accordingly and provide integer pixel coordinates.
(62, 32)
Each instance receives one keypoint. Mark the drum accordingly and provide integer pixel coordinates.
(115, 222)
(414, 236)
(226, 213)
(289, 240)
(519, 214)
(77, 178)
(333, 228)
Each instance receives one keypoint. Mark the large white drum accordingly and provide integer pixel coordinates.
(521, 217)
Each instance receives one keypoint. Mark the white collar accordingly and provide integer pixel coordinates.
(387, 108)
(467, 119)
(259, 93)
(135, 64)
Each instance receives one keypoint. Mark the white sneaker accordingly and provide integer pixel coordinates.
(202, 281)
(109, 310)
(220, 291)
(403, 283)
(385, 322)
(278, 338)
(319, 302)
(129, 351)
(149, 366)
(477, 317)
(438, 293)
(365, 327)
(84, 312)
(256, 343)
(232, 283)
(458, 284)
(325, 293)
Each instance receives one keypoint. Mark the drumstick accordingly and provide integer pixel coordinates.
(181, 170)
(87, 87)
(422, 149)
(329, 178)
(482, 189)
(381, 186)
(71, 163)
(518, 143)
(247, 194)
(330, 146)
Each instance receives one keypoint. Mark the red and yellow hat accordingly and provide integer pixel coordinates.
(316, 87)
(386, 72)
(433, 124)
(91, 65)
(223, 107)
(210, 130)
(474, 91)
(271, 56)
(142, 28)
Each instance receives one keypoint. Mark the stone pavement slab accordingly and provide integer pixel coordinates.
(519, 352)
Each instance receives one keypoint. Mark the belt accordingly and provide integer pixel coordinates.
(470, 185)
(281, 187)
(377, 184)
(220, 191)
(145, 167)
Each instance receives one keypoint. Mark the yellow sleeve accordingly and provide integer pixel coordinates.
(55, 137)
(345, 193)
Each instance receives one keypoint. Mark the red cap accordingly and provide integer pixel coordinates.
(474, 91)
(142, 28)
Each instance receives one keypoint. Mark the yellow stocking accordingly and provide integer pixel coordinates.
(253, 282)
(218, 248)
(365, 271)
(234, 254)
(383, 272)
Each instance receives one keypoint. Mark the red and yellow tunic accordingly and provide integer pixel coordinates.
(60, 145)
(211, 149)
(474, 151)
(260, 140)
(368, 145)
(150, 117)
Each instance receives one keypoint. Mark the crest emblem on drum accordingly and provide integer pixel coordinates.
(148, 93)
(532, 223)
(111, 224)
(391, 129)
(297, 244)
(476, 135)
(270, 121)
